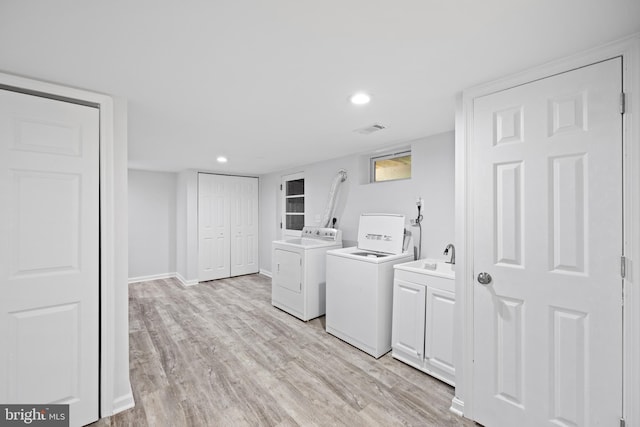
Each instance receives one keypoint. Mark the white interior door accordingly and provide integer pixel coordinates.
(548, 229)
(49, 243)
(213, 227)
(244, 225)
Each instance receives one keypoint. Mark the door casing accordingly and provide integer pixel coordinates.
(629, 50)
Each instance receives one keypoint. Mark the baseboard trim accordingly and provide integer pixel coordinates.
(265, 273)
(457, 407)
(151, 277)
(123, 403)
(185, 282)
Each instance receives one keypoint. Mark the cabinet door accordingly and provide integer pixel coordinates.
(243, 196)
(407, 334)
(438, 349)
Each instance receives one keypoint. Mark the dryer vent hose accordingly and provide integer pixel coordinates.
(340, 177)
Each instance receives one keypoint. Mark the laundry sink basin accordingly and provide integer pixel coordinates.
(430, 267)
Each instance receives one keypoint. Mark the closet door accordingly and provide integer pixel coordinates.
(213, 227)
(49, 254)
(244, 225)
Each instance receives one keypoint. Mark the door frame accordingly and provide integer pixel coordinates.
(629, 49)
(110, 226)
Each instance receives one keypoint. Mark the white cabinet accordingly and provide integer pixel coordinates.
(227, 226)
(422, 326)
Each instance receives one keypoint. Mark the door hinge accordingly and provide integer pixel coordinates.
(623, 423)
(280, 224)
(623, 266)
(623, 103)
(280, 187)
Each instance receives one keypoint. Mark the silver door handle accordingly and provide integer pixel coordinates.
(484, 278)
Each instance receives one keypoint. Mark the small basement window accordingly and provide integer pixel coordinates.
(390, 167)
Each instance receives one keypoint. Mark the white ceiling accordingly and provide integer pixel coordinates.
(266, 82)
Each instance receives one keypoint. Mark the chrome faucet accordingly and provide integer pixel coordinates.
(453, 253)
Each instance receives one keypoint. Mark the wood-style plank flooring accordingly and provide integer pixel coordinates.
(219, 354)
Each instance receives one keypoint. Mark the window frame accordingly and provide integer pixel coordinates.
(389, 156)
(283, 220)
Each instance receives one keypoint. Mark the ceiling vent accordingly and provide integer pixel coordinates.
(370, 129)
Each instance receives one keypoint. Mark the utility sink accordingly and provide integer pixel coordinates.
(430, 267)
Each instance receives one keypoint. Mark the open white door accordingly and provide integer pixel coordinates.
(547, 179)
(49, 253)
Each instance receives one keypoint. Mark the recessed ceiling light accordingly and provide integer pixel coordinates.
(360, 98)
(221, 159)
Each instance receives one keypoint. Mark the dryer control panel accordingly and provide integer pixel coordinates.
(322, 233)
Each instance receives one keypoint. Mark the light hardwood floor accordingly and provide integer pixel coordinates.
(219, 354)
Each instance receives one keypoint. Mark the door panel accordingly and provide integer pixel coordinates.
(547, 174)
(57, 330)
(49, 253)
(244, 228)
(213, 228)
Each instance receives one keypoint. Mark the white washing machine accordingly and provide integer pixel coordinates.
(298, 271)
(360, 283)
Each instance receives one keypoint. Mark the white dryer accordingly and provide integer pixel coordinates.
(298, 271)
(360, 283)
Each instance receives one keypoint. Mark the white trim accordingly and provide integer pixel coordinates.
(629, 49)
(265, 273)
(108, 256)
(123, 403)
(283, 196)
(152, 277)
(631, 135)
(457, 407)
(185, 282)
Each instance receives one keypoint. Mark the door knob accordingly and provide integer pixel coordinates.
(484, 278)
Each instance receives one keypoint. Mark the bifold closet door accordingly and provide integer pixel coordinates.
(244, 225)
(227, 226)
(213, 227)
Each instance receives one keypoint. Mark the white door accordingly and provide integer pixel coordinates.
(407, 333)
(548, 229)
(213, 227)
(49, 265)
(244, 225)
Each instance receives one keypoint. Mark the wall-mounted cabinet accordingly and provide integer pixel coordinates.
(227, 226)
(423, 317)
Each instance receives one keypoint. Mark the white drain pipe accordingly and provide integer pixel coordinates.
(333, 194)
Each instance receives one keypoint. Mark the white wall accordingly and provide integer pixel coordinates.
(152, 224)
(187, 227)
(432, 179)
